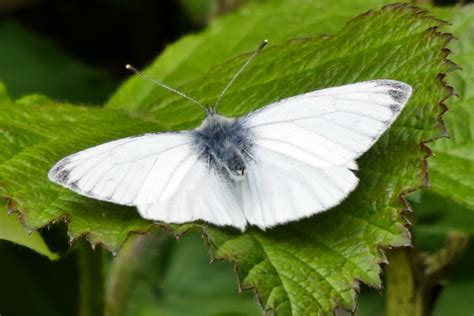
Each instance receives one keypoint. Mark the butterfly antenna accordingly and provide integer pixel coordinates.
(161, 84)
(259, 48)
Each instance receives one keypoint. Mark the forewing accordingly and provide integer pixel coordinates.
(329, 127)
(279, 189)
(128, 171)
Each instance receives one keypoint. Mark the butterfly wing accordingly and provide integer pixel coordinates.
(330, 127)
(128, 170)
(305, 145)
(205, 195)
(279, 189)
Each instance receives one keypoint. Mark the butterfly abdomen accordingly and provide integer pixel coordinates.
(225, 144)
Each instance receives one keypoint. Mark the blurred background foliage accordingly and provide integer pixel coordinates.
(75, 51)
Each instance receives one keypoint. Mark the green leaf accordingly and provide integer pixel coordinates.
(32, 64)
(277, 20)
(449, 205)
(438, 210)
(155, 275)
(311, 265)
(436, 216)
(12, 230)
(452, 164)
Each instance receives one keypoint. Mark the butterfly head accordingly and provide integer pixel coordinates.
(233, 162)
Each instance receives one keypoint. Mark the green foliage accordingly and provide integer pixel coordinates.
(35, 133)
(452, 165)
(437, 216)
(200, 11)
(235, 34)
(456, 297)
(156, 275)
(12, 230)
(309, 265)
(445, 208)
(35, 65)
(449, 205)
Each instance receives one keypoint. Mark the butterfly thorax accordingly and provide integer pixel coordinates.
(224, 144)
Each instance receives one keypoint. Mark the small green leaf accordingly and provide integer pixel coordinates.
(12, 230)
(452, 165)
(311, 265)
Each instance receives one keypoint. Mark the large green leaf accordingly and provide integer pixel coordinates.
(312, 265)
(452, 165)
(277, 20)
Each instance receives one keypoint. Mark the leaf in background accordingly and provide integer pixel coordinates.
(199, 12)
(12, 230)
(436, 216)
(277, 20)
(155, 275)
(456, 297)
(449, 205)
(313, 264)
(32, 64)
(452, 165)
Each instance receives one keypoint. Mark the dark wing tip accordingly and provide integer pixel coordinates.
(59, 172)
(398, 91)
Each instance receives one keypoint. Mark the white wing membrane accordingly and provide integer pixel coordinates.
(279, 189)
(204, 195)
(330, 127)
(128, 171)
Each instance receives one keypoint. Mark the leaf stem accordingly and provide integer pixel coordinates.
(414, 278)
(91, 280)
(139, 253)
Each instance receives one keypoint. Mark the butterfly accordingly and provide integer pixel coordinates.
(286, 161)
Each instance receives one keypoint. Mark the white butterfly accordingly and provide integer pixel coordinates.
(289, 160)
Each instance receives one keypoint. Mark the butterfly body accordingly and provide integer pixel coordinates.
(224, 144)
